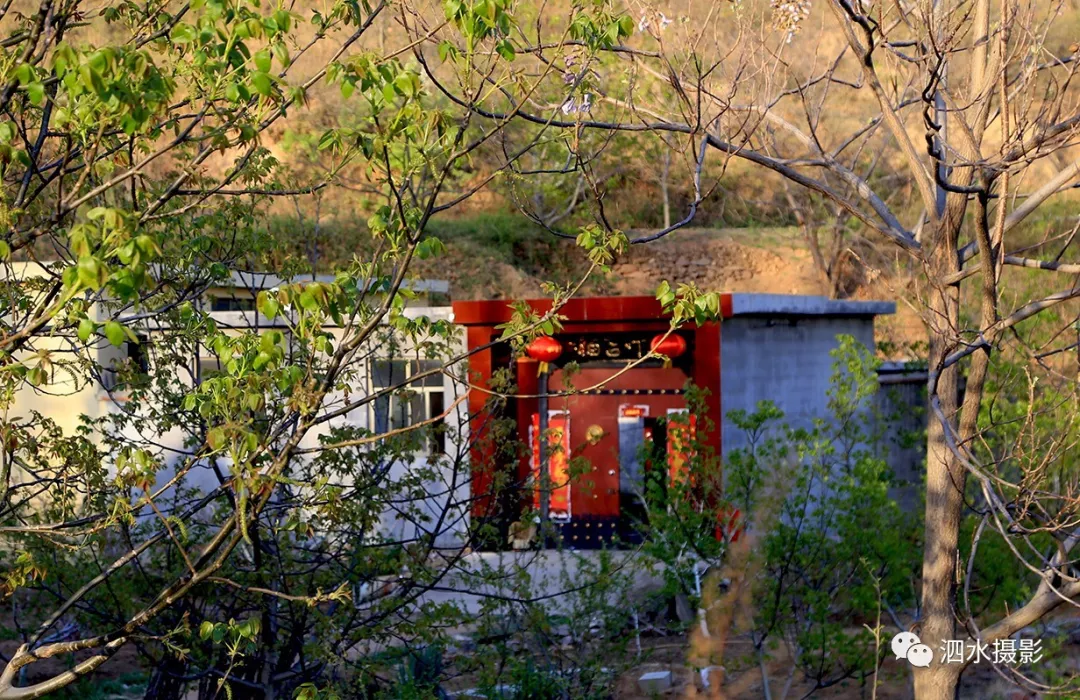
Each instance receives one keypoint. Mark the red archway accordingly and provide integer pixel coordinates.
(601, 334)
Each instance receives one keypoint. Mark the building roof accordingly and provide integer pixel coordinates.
(487, 312)
(269, 280)
(803, 305)
(257, 280)
(252, 318)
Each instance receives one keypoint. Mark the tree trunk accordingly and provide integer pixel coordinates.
(166, 680)
(944, 491)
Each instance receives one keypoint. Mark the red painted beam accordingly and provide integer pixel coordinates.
(586, 309)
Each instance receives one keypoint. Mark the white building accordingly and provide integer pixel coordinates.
(96, 391)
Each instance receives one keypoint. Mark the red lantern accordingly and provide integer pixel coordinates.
(670, 347)
(544, 349)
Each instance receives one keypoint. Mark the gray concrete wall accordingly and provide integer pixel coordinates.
(782, 359)
(902, 405)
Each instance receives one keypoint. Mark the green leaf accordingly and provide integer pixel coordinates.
(148, 246)
(429, 248)
(262, 61)
(505, 49)
(404, 84)
(308, 302)
(262, 359)
(36, 93)
(91, 79)
(63, 58)
(70, 278)
(86, 329)
(281, 53)
(376, 223)
(79, 239)
(215, 438)
(114, 332)
(126, 252)
(328, 139)
(268, 305)
(37, 376)
(183, 34)
(283, 20)
(446, 50)
(262, 83)
(611, 35)
(92, 273)
(24, 73)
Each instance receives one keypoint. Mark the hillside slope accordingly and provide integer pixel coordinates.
(771, 260)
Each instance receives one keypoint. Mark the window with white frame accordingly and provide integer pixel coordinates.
(135, 359)
(419, 400)
(206, 366)
(232, 303)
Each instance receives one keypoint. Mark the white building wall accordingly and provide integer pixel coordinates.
(69, 399)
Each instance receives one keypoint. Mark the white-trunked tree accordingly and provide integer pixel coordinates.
(136, 146)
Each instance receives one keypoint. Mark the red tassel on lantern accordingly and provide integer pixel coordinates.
(670, 347)
(544, 349)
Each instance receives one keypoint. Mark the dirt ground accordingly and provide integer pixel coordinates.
(120, 676)
(894, 679)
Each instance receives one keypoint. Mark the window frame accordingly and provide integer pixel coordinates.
(425, 392)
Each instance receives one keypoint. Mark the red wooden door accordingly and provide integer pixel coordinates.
(596, 493)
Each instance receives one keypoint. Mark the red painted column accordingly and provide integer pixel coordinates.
(706, 375)
(481, 451)
(528, 386)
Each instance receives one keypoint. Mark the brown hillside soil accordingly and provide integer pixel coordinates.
(769, 260)
(759, 260)
(730, 260)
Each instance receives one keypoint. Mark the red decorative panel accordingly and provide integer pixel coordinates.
(681, 433)
(559, 508)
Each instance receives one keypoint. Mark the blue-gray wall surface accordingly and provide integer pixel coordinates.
(782, 359)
